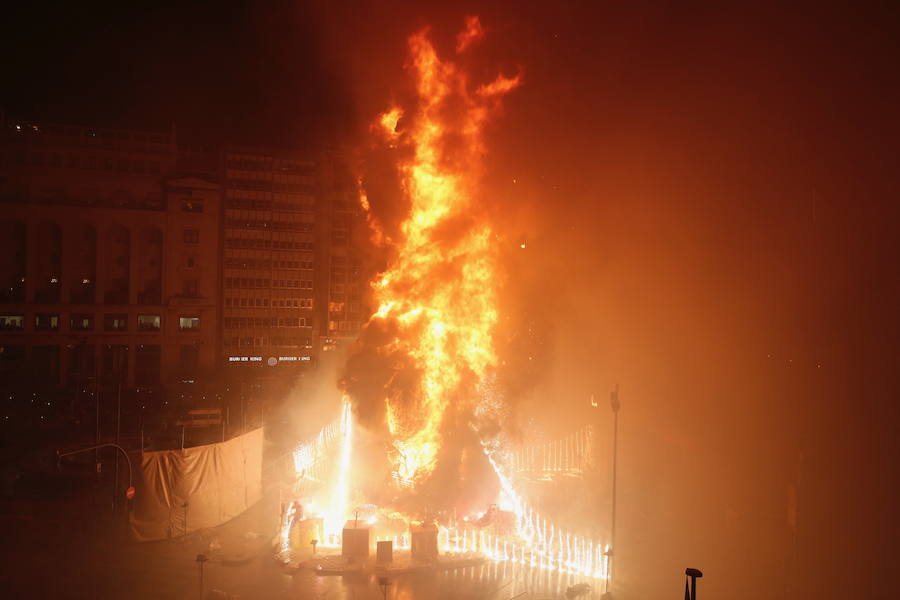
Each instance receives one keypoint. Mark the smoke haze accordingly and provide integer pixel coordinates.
(705, 223)
(707, 196)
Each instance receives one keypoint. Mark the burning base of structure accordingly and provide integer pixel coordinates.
(329, 528)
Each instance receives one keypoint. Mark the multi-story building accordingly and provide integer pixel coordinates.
(269, 258)
(291, 271)
(108, 258)
(128, 259)
(346, 233)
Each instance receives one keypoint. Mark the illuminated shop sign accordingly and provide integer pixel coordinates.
(272, 361)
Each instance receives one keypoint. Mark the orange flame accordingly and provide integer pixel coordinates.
(440, 291)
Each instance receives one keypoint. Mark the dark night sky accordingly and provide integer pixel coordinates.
(712, 192)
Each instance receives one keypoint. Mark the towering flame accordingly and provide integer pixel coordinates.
(439, 295)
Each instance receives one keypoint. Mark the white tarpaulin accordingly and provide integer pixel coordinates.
(179, 491)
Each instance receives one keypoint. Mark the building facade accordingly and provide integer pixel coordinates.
(127, 260)
(108, 259)
(291, 275)
(347, 233)
(269, 258)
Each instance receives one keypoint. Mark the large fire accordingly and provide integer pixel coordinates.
(440, 293)
(437, 310)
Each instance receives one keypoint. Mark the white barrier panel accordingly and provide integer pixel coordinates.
(217, 482)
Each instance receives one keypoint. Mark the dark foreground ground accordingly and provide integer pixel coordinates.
(55, 554)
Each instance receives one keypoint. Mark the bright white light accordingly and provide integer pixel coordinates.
(334, 520)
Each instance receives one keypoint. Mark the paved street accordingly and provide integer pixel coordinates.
(62, 556)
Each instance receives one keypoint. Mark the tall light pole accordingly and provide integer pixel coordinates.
(118, 426)
(385, 583)
(201, 558)
(614, 404)
(129, 493)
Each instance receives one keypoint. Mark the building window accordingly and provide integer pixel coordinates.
(189, 360)
(189, 323)
(12, 322)
(148, 322)
(191, 205)
(147, 364)
(189, 288)
(115, 322)
(115, 362)
(191, 236)
(81, 363)
(12, 362)
(81, 322)
(46, 322)
(45, 362)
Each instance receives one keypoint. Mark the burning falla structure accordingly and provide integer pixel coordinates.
(437, 301)
(420, 413)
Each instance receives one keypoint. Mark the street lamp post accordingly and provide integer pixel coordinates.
(118, 432)
(129, 494)
(384, 582)
(693, 575)
(614, 404)
(201, 558)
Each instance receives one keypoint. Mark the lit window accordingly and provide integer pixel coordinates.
(189, 323)
(45, 322)
(81, 322)
(115, 322)
(148, 322)
(12, 322)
